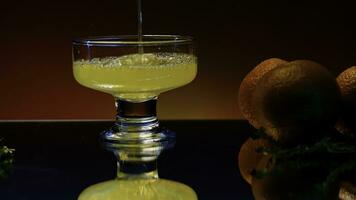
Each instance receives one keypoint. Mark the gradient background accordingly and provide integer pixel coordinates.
(36, 80)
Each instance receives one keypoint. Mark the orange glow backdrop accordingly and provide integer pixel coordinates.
(36, 80)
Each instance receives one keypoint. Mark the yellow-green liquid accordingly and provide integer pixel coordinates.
(140, 189)
(136, 76)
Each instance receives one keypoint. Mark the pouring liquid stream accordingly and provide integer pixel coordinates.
(139, 25)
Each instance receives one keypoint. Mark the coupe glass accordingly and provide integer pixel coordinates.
(135, 73)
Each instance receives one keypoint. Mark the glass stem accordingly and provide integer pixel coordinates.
(136, 116)
(136, 169)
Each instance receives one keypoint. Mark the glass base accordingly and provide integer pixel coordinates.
(137, 125)
(116, 137)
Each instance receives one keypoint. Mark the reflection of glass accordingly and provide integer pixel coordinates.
(137, 177)
(113, 65)
(155, 189)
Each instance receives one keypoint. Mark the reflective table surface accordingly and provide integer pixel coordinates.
(58, 159)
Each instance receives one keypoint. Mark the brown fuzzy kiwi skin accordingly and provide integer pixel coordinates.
(248, 85)
(296, 102)
(249, 157)
(347, 83)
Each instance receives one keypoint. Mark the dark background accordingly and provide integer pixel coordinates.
(36, 80)
(61, 166)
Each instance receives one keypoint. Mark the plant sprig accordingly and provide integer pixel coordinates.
(332, 156)
(325, 145)
(6, 160)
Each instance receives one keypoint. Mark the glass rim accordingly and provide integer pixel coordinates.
(132, 40)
